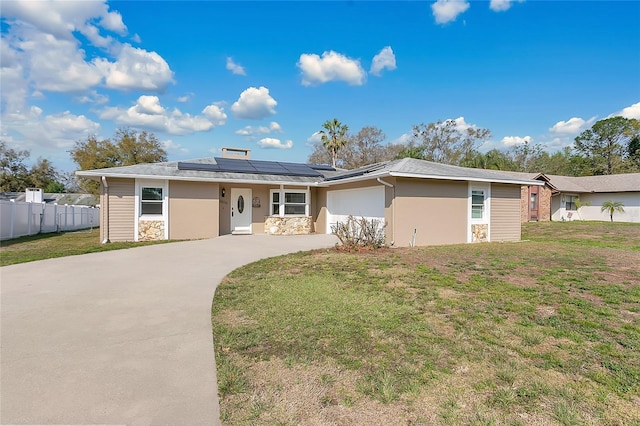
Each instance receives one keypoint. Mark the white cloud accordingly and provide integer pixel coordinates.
(273, 127)
(14, 86)
(185, 98)
(57, 65)
(331, 67)
(170, 145)
(572, 126)
(236, 69)
(136, 69)
(383, 60)
(510, 141)
(402, 139)
(315, 138)
(53, 132)
(446, 11)
(61, 18)
(632, 111)
(44, 51)
(216, 114)
(147, 113)
(271, 143)
(92, 97)
(254, 104)
(502, 5)
(460, 124)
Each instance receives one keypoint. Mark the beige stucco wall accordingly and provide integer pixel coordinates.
(193, 210)
(119, 210)
(505, 213)
(319, 209)
(436, 209)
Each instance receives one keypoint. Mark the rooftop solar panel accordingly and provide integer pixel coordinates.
(322, 167)
(198, 167)
(233, 165)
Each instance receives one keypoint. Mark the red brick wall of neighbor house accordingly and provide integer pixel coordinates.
(544, 206)
(524, 204)
(544, 209)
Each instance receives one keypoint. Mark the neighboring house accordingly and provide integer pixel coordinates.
(535, 200)
(55, 198)
(592, 192)
(578, 198)
(421, 202)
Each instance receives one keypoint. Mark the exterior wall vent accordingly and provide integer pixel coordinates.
(237, 153)
(34, 195)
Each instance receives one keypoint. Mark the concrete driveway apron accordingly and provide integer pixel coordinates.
(120, 337)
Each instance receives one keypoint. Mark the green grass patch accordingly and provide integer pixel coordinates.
(47, 246)
(543, 332)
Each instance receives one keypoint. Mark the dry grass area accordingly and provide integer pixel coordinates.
(540, 332)
(47, 246)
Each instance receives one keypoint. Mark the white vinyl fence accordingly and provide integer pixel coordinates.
(18, 218)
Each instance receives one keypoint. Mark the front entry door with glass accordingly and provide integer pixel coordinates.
(240, 211)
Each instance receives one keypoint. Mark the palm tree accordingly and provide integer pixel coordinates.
(611, 207)
(334, 137)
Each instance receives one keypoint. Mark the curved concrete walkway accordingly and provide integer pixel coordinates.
(120, 337)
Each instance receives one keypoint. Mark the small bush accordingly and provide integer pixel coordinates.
(357, 233)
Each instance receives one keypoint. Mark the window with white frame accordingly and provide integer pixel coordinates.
(151, 201)
(477, 204)
(289, 202)
(571, 202)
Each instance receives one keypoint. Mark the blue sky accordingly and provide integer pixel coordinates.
(204, 75)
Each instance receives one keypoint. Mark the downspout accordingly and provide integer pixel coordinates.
(393, 207)
(106, 213)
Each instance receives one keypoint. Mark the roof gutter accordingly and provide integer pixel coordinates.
(468, 179)
(198, 179)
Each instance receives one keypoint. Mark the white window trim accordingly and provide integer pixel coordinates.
(486, 217)
(147, 183)
(281, 205)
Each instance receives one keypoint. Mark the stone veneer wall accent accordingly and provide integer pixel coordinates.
(150, 230)
(479, 233)
(294, 225)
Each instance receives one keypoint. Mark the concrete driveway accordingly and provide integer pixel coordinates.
(121, 337)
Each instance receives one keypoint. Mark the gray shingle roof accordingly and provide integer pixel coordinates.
(428, 169)
(169, 170)
(404, 167)
(626, 182)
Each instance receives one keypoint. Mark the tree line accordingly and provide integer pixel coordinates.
(610, 146)
(127, 147)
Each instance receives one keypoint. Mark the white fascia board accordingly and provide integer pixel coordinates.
(468, 179)
(195, 179)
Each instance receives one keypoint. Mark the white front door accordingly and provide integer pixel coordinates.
(240, 211)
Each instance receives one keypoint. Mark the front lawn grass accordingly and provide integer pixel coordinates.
(46, 246)
(539, 332)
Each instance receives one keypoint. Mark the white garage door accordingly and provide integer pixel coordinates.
(367, 202)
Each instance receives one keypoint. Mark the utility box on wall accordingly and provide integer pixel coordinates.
(34, 195)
